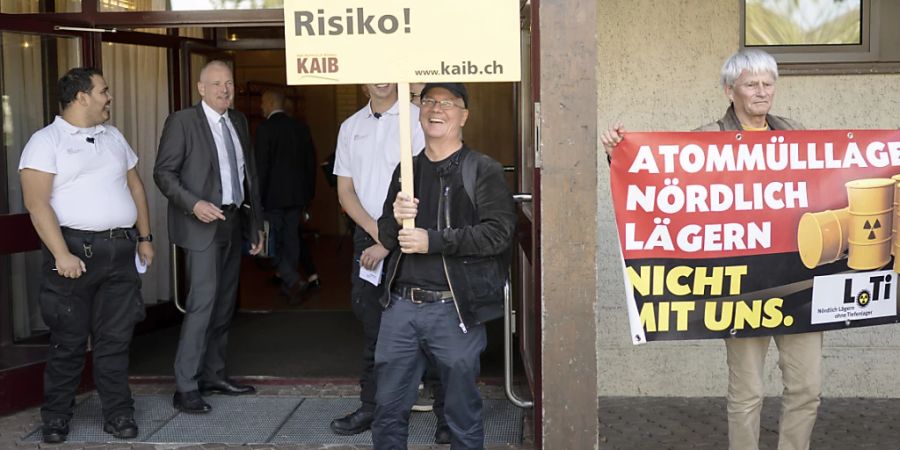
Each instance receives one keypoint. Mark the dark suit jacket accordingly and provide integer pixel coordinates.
(187, 171)
(287, 162)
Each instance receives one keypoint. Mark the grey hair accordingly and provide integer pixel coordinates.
(752, 60)
(217, 63)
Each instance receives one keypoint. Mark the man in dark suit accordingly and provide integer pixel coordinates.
(205, 167)
(287, 179)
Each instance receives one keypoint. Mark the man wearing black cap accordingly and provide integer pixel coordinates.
(447, 279)
(368, 150)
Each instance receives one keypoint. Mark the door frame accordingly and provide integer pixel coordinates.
(528, 267)
(567, 210)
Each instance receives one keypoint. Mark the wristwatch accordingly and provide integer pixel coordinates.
(147, 238)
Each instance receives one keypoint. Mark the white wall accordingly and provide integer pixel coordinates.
(658, 69)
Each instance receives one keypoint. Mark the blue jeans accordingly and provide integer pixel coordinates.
(411, 333)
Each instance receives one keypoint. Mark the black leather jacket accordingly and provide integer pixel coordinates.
(474, 240)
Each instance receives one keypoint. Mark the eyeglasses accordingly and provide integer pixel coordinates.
(443, 104)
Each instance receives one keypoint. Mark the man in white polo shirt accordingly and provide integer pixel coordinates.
(88, 206)
(368, 150)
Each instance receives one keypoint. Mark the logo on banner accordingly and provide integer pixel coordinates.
(317, 64)
(854, 296)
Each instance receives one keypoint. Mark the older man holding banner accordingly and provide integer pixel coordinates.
(776, 234)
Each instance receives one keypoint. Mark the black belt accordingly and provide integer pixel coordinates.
(418, 295)
(114, 233)
(229, 208)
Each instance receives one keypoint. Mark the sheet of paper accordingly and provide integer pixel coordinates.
(138, 264)
(372, 276)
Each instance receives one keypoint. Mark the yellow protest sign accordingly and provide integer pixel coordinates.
(364, 41)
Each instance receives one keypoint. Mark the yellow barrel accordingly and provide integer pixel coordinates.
(871, 222)
(894, 239)
(822, 237)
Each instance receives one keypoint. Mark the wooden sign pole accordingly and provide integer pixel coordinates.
(406, 168)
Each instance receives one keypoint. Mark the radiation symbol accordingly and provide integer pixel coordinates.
(872, 228)
(863, 298)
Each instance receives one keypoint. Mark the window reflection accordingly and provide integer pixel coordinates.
(187, 5)
(39, 6)
(118, 5)
(803, 22)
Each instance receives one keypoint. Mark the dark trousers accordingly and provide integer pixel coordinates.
(305, 255)
(432, 381)
(212, 276)
(285, 225)
(364, 299)
(410, 334)
(103, 303)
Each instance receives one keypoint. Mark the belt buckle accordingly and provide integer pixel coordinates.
(412, 295)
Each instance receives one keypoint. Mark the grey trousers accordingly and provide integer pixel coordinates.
(212, 276)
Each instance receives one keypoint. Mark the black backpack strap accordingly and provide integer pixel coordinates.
(469, 168)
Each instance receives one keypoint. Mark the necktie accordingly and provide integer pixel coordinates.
(236, 188)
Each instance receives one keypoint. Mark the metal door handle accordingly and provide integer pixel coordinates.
(174, 267)
(522, 197)
(507, 349)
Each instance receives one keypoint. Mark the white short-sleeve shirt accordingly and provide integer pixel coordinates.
(90, 186)
(368, 151)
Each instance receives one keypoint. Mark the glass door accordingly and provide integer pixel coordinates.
(31, 63)
(137, 71)
(193, 57)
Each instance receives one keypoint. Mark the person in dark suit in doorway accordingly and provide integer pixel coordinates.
(206, 168)
(287, 179)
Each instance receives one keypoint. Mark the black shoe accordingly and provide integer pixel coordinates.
(295, 292)
(122, 427)
(225, 387)
(190, 402)
(442, 434)
(55, 431)
(353, 423)
(313, 284)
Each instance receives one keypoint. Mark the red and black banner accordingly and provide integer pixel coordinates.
(757, 233)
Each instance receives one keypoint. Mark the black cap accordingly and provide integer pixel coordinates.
(457, 89)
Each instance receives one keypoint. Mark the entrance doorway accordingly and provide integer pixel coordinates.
(318, 337)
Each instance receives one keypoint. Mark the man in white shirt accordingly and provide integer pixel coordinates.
(88, 205)
(368, 151)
